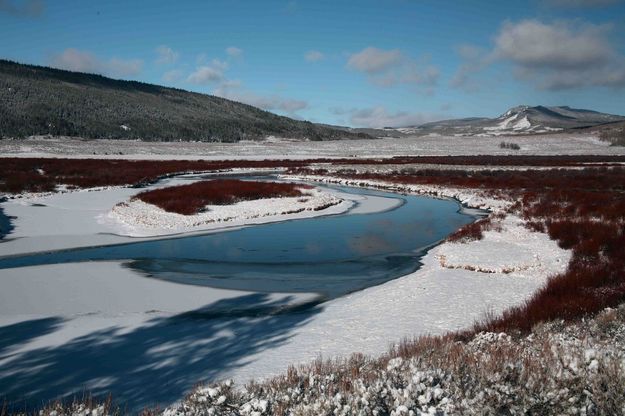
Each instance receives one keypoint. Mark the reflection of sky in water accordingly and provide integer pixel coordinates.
(333, 255)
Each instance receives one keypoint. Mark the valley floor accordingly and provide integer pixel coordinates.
(104, 327)
(548, 144)
(75, 314)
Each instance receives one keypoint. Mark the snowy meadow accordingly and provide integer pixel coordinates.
(493, 301)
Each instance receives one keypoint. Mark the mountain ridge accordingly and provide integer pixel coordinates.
(36, 100)
(522, 119)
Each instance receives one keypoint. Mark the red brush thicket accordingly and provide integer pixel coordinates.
(474, 230)
(492, 160)
(191, 199)
(38, 174)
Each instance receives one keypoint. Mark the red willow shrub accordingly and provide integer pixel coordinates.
(475, 230)
(43, 174)
(492, 160)
(583, 210)
(38, 175)
(191, 199)
(471, 231)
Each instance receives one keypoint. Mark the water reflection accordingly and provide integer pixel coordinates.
(331, 255)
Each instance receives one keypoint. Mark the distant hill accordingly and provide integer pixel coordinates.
(40, 101)
(518, 120)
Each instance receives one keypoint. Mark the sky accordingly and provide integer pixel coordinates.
(365, 63)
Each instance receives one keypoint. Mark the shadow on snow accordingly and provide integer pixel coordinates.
(154, 364)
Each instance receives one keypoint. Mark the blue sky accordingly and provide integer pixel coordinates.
(359, 63)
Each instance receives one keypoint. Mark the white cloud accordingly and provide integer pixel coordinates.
(234, 52)
(474, 60)
(373, 60)
(583, 3)
(269, 103)
(314, 56)
(379, 117)
(560, 45)
(561, 55)
(558, 55)
(386, 68)
(201, 58)
(172, 76)
(228, 85)
(166, 55)
(215, 72)
(233, 90)
(82, 61)
(209, 73)
(205, 74)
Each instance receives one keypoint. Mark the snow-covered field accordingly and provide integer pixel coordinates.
(548, 144)
(108, 216)
(100, 325)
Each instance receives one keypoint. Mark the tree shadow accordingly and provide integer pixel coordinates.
(14, 335)
(154, 364)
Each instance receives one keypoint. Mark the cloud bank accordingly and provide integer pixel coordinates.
(386, 68)
(82, 61)
(166, 55)
(379, 117)
(552, 56)
(314, 56)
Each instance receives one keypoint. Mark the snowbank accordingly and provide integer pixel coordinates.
(469, 198)
(137, 218)
(515, 250)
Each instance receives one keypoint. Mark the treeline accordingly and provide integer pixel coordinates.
(44, 101)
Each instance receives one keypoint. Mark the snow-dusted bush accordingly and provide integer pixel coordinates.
(557, 369)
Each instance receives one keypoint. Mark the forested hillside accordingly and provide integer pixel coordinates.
(40, 101)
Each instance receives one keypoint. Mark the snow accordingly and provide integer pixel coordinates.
(550, 144)
(103, 294)
(137, 218)
(469, 198)
(512, 125)
(504, 125)
(499, 253)
(522, 124)
(502, 270)
(551, 368)
(457, 285)
(94, 216)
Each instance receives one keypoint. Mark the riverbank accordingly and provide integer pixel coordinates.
(434, 300)
(106, 215)
(503, 271)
